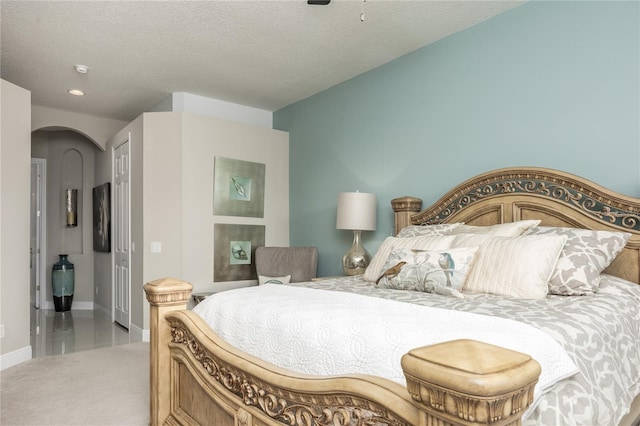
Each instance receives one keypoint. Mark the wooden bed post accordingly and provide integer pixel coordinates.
(467, 382)
(403, 208)
(164, 295)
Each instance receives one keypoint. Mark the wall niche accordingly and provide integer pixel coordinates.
(70, 218)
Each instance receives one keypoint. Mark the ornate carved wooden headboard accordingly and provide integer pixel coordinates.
(555, 197)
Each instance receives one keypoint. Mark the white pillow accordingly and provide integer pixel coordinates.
(518, 267)
(510, 229)
(273, 280)
(374, 269)
(427, 230)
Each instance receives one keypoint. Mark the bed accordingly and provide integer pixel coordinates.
(200, 377)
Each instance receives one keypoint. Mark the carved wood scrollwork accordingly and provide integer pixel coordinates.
(243, 417)
(471, 409)
(286, 406)
(589, 200)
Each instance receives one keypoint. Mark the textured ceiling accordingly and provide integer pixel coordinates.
(265, 54)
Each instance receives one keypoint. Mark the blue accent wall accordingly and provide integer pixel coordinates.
(549, 84)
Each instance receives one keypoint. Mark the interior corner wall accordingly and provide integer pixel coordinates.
(15, 178)
(549, 84)
(161, 196)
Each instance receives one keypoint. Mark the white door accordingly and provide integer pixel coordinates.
(38, 181)
(121, 273)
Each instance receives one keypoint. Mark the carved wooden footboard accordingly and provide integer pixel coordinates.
(197, 378)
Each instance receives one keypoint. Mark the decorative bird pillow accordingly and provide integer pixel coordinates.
(392, 272)
(434, 271)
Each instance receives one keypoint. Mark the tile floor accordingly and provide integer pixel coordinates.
(57, 333)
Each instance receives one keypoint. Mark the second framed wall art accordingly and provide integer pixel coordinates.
(234, 248)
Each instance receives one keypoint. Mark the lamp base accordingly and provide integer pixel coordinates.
(357, 258)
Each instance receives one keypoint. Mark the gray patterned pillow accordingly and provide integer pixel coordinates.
(584, 256)
(427, 230)
(433, 271)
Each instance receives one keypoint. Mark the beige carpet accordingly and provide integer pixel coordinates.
(107, 386)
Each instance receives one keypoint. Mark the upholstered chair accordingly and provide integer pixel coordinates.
(299, 262)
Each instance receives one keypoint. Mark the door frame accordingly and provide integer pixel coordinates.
(114, 217)
(41, 233)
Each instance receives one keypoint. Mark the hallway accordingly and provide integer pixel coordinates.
(57, 333)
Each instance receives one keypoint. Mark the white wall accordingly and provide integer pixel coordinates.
(97, 129)
(15, 177)
(187, 102)
(177, 173)
(203, 139)
(162, 199)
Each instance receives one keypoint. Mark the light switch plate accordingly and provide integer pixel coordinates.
(156, 247)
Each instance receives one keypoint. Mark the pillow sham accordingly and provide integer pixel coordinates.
(374, 269)
(510, 229)
(432, 271)
(585, 255)
(518, 267)
(273, 280)
(427, 230)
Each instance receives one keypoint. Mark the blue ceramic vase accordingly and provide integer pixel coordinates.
(63, 282)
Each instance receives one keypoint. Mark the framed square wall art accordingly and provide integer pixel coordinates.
(238, 188)
(234, 248)
(102, 217)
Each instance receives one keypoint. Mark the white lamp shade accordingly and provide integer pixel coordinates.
(356, 211)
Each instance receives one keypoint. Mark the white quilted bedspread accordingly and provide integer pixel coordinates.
(321, 332)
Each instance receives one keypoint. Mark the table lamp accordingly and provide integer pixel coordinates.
(356, 212)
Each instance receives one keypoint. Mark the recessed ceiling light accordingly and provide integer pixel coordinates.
(76, 92)
(82, 69)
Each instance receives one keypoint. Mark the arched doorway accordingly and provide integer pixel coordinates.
(66, 159)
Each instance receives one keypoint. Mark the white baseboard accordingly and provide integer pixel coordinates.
(139, 334)
(82, 306)
(16, 357)
(75, 306)
(102, 309)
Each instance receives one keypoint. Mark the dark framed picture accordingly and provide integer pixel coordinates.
(102, 217)
(234, 251)
(238, 188)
